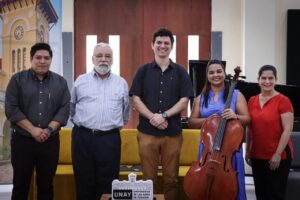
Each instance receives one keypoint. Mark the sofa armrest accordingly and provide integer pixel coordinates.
(65, 155)
(129, 149)
(295, 137)
(190, 145)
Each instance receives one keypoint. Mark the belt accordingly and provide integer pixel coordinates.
(97, 131)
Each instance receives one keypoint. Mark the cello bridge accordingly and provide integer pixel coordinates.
(215, 161)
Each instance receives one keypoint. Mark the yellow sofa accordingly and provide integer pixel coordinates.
(64, 186)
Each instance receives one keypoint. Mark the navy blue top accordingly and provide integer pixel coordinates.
(160, 91)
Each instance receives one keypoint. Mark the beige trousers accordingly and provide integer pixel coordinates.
(164, 150)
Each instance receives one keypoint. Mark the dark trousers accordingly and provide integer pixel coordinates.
(270, 185)
(96, 161)
(27, 154)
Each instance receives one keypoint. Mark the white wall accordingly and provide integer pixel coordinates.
(68, 15)
(227, 17)
(259, 29)
(260, 42)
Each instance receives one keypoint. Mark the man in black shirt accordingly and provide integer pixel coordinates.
(160, 91)
(37, 105)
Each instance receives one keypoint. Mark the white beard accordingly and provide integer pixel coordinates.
(102, 69)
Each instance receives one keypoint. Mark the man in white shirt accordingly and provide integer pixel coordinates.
(99, 108)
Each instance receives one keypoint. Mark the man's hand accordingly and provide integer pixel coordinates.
(158, 121)
(40, 135)
(163, 125)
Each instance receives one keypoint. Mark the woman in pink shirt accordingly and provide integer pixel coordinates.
(269, 148)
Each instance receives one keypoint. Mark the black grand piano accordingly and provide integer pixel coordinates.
(197, 71)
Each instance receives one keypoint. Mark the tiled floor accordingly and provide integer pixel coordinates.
(5, 190)
(250, 190)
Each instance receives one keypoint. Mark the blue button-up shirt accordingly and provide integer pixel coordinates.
(98, 103)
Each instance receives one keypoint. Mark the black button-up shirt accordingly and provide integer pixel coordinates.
(39, 101)
(160, 91)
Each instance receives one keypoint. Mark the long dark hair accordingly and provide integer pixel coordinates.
(207, 85)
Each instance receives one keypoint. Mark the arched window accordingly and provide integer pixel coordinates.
(19, 60)
(13, 61)
(24, 58)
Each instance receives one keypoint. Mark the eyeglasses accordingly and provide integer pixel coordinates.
(106, 56)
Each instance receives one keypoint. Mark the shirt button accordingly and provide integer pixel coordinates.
(40, 113)
(39, 125)
(41, 92)
(161, 92)
(41, 102)
(41, 82)
(160, 101)
(161, 83)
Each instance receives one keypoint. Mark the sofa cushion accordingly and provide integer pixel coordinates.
(129, 149)
(64, 169)
(183, 170)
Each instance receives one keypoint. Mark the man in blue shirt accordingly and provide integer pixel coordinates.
(99, 108)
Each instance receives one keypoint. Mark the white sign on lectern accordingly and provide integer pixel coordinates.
(132, 189)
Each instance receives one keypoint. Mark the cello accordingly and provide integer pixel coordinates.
(212, 177)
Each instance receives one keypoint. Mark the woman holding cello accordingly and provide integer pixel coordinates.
(212, 101)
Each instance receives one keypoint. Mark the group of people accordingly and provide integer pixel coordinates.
(38, 103)
(269, 121)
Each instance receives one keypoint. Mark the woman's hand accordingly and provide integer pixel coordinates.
(275, 161)
(229, 114)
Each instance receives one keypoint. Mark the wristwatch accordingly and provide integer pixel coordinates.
(164, 115)
(50, 130)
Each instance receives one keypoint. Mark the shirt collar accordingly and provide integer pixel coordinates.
(154, 64)
(96, 75)
(33, 74)
(221, 92)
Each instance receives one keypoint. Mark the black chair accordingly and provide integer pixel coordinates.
(293, 184)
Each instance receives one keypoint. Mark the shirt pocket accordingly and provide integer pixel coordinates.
(54, 98)
(116, 101)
